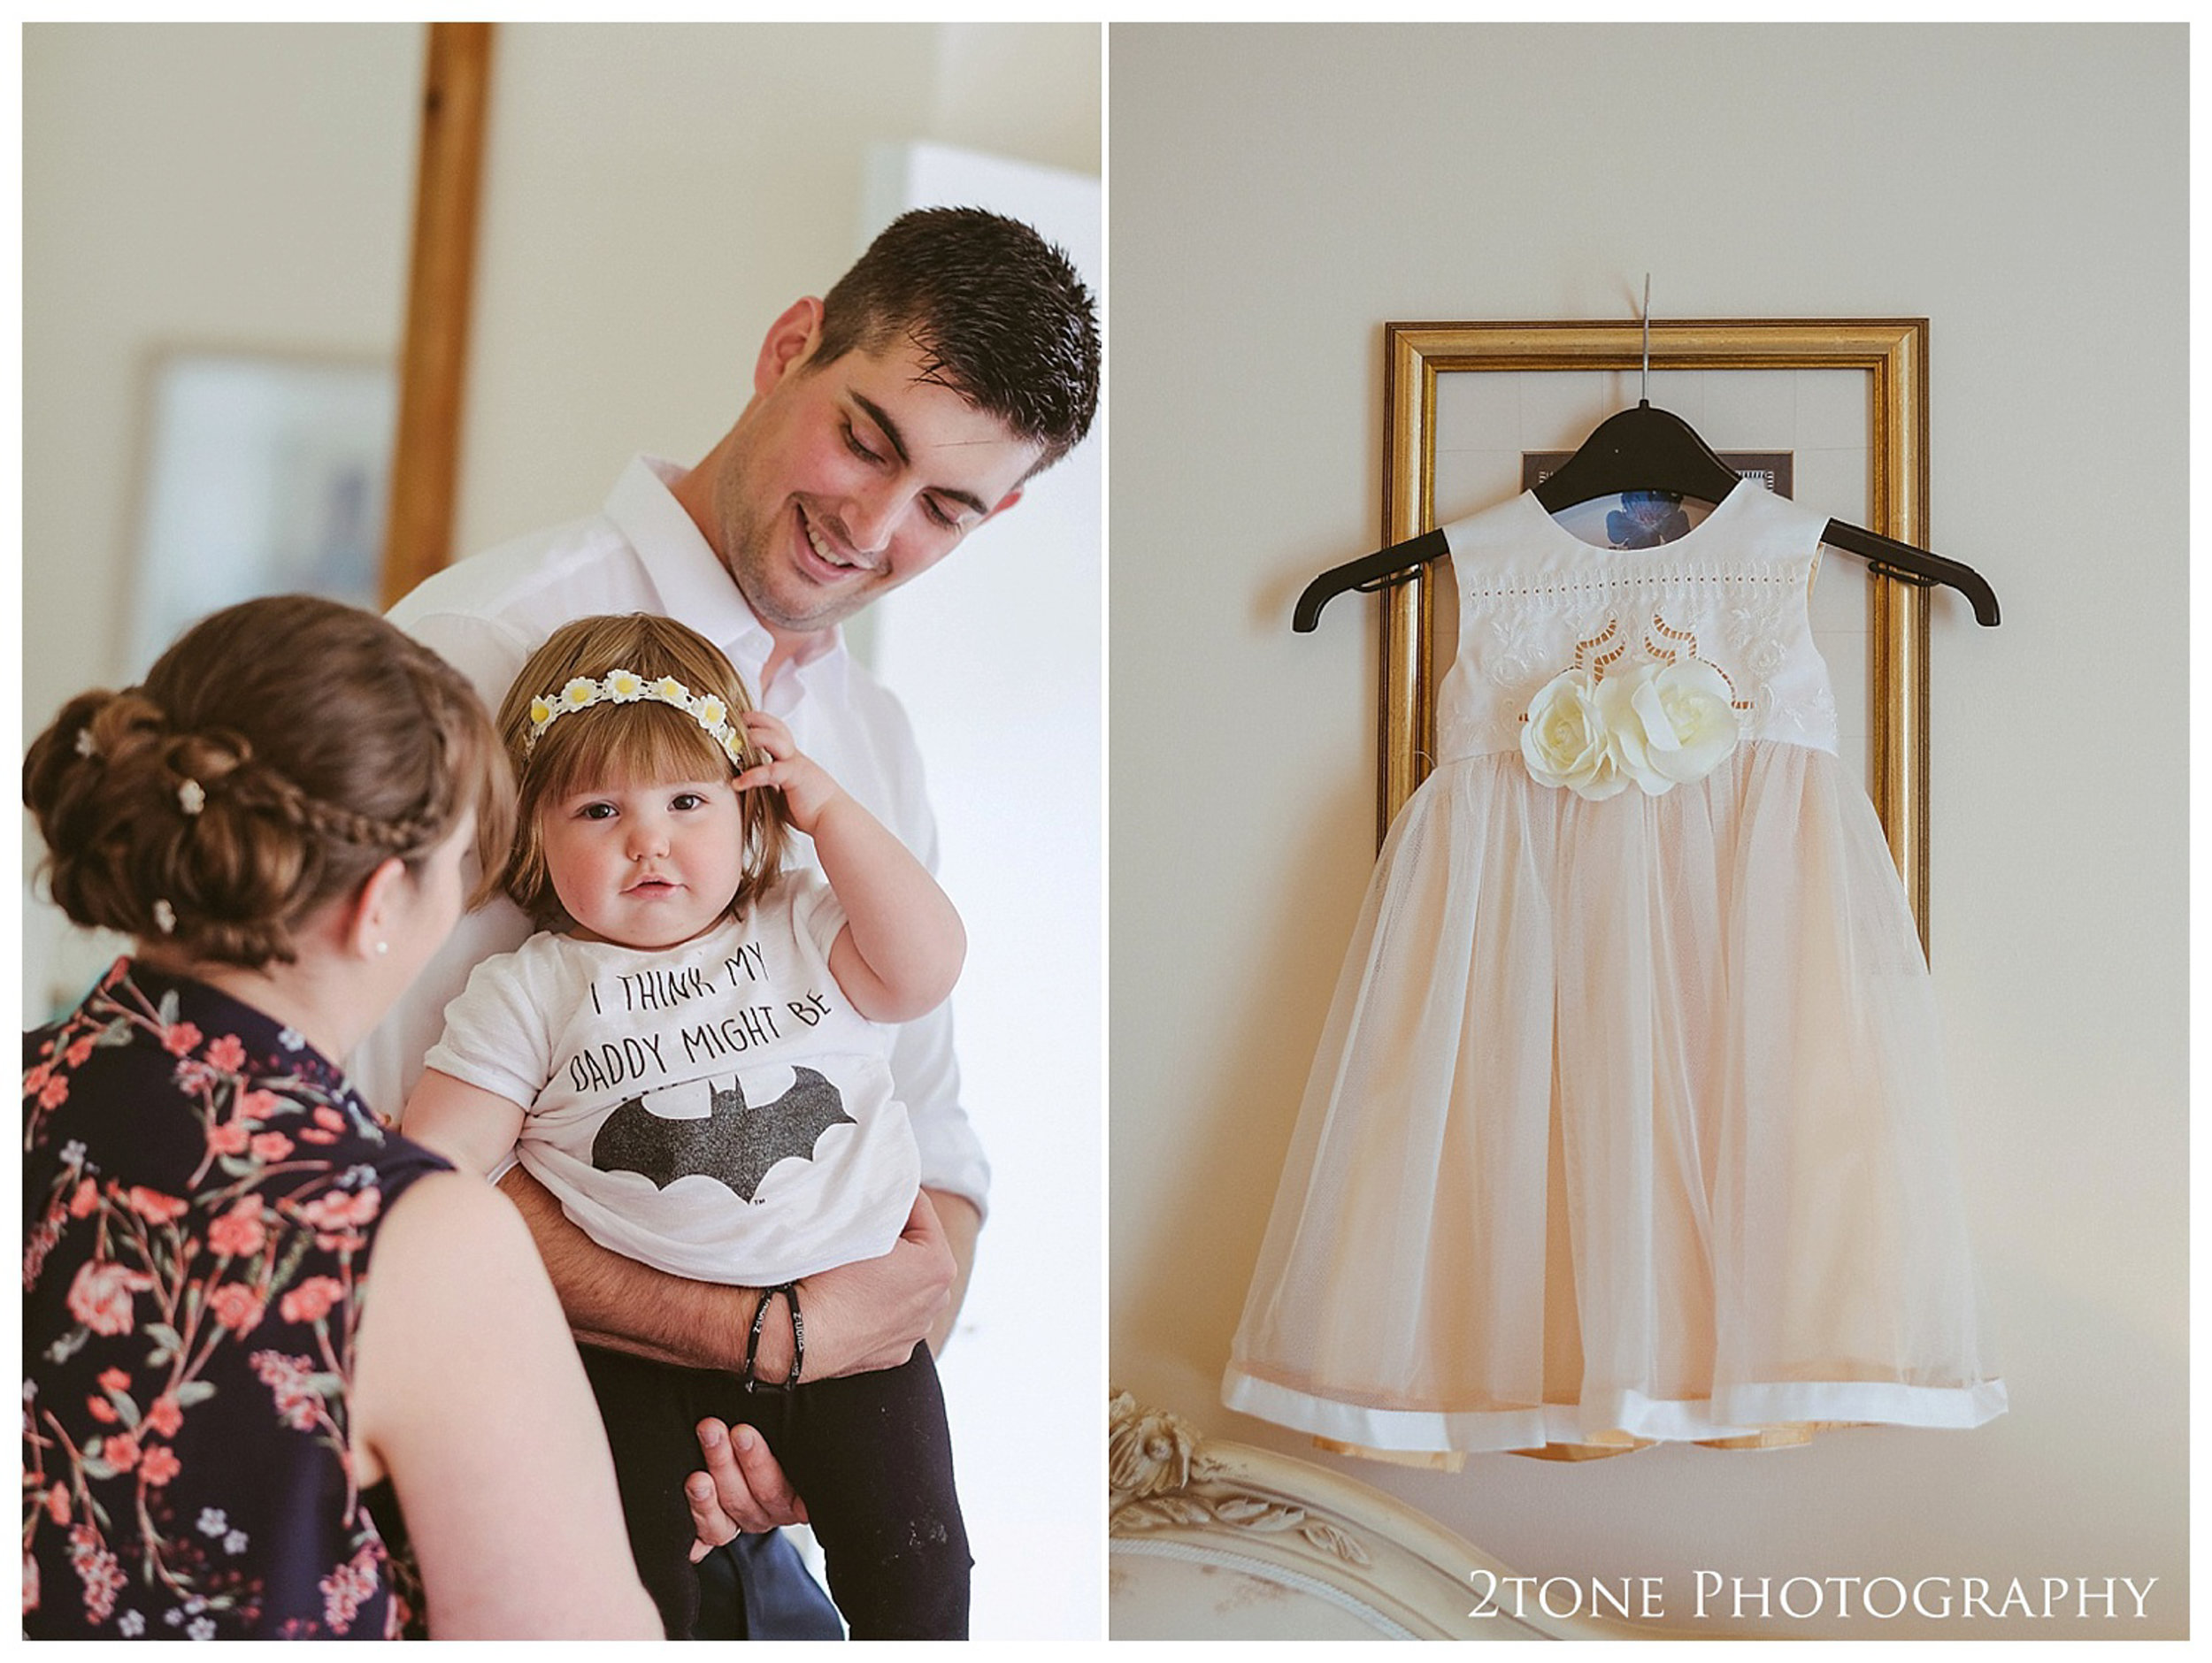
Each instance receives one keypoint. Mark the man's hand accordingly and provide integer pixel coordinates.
(897, 1297)
(871, 1314)
(742, 1489)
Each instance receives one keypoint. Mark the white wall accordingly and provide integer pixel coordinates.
(1278, 196)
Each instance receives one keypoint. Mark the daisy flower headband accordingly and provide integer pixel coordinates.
(625, 686)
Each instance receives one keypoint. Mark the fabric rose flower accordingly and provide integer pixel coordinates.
(1659, 724)
(1566, 740)
(1671, 723)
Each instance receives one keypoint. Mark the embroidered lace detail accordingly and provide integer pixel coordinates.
(1748, 621)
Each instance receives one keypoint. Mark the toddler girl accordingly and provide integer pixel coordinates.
(691, 1056)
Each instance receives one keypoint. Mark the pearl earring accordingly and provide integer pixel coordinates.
(382, 947)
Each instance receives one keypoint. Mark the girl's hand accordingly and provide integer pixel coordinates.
(807, 788)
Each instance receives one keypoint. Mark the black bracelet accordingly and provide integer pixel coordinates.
(798, 1337)
(798, 1333)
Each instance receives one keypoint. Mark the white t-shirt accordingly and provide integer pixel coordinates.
(717, 1109)
(642, 553)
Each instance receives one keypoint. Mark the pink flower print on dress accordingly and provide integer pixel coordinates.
(181, 1039)
(288, 1378)
(227, 1052)
(153, 1207)
(338, 1217)
(100, 1297)
(311, 1300)
(236, 1306)
(345, 1587)
(98, 1570)
(239, 1233)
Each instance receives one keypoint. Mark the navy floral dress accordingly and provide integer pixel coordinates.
(201, 1194)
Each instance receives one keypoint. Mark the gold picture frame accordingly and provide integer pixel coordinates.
(1894, 353)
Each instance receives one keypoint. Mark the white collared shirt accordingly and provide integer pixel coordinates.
(643, 553)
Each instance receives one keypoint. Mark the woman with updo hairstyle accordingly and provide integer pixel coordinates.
(224, 1435)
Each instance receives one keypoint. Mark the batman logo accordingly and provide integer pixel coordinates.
(735, 1143)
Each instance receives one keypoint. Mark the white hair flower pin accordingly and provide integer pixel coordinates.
(191, 796)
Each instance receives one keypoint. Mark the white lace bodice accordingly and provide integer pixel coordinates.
(1535, 599)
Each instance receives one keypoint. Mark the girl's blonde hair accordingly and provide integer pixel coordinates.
(271, 760)
(641, 741)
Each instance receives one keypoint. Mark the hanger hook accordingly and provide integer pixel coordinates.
(1645, 397)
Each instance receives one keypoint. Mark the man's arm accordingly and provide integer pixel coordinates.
(858, 1317)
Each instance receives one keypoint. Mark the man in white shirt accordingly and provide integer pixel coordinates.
(888, 419)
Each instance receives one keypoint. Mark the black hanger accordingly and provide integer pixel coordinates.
(1649, 449)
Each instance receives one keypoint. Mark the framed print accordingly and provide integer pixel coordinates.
(1840, 406)
(265, 472)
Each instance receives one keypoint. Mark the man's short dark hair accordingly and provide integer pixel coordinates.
(998, 313)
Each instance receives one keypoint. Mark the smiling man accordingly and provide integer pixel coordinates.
(886, 420)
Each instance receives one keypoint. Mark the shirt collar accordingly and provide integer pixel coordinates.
(689, 577)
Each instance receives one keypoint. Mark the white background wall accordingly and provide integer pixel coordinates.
(654, 196)
(1278, 196)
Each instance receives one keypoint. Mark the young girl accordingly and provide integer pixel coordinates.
(691, 1056)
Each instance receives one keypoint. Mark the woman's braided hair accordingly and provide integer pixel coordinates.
(273, 759)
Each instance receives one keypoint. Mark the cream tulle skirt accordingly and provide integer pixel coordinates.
(1627, 1122)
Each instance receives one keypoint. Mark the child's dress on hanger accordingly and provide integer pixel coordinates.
(1628, 1120)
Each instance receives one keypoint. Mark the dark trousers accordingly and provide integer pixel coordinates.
(869, 1452)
